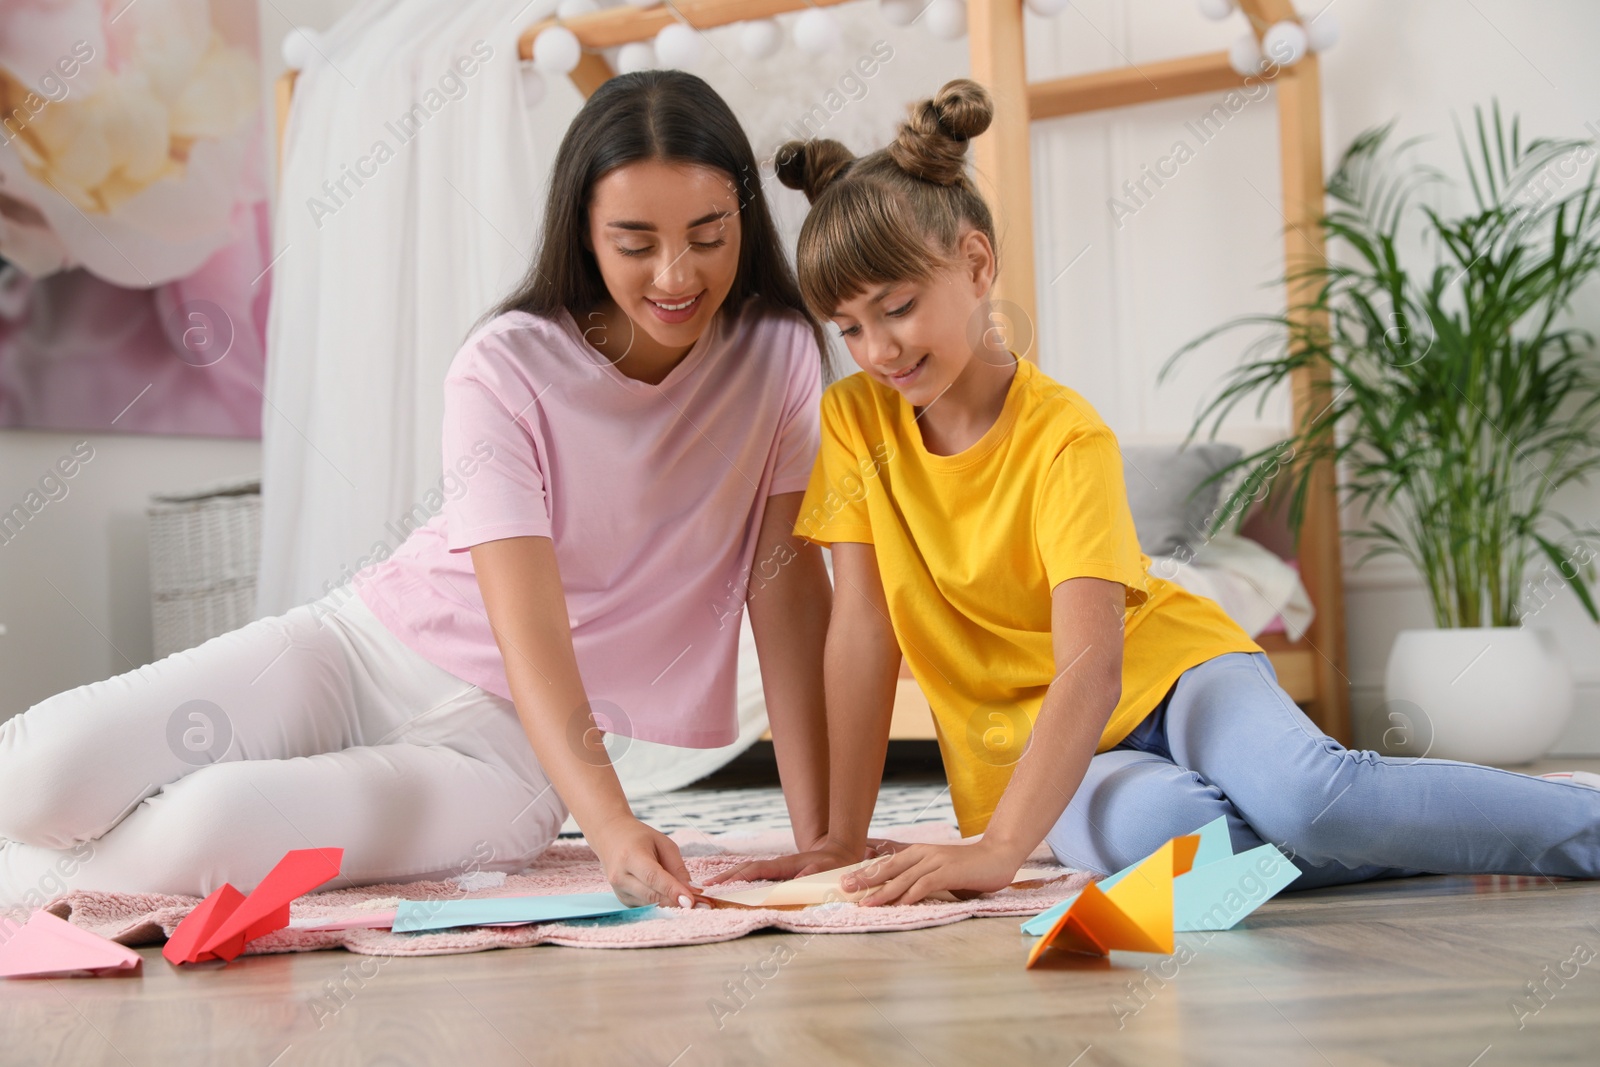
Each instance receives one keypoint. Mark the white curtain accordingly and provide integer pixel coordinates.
(387, 257)
(393, 235)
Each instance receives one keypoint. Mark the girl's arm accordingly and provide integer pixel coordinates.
(528, 612)
(1086, 631)
(861, 667)
(789, 601)
(860, 663)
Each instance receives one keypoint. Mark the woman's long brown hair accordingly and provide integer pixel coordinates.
(675, 117)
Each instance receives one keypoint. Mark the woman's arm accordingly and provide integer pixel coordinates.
(527, 611)
(860, 663)
(789, 602)
(1086, 634)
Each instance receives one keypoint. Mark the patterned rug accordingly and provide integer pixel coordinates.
(566, 867)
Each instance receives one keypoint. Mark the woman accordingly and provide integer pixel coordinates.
(630, 434)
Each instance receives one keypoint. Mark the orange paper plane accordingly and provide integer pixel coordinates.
(227, 920)
(1134, 915)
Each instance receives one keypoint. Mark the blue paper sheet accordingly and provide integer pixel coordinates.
(1219, 890)
(414, 916)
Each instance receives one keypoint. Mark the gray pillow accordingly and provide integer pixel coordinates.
(1170, 510)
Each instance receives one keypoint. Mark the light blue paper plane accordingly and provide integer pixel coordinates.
(1219, 890)
(413, 916)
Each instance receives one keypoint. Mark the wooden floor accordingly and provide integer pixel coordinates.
(1418, 971)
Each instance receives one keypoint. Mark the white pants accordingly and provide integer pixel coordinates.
(312, 729)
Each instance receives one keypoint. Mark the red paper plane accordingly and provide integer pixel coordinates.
(227, 920)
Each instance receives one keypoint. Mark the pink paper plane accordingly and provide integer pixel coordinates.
(48, 947)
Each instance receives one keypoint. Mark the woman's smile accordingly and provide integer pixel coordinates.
(676, 311)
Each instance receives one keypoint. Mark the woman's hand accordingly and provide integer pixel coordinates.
(917, 870)
(643, 865)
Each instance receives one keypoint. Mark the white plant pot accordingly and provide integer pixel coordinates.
(1491, 694)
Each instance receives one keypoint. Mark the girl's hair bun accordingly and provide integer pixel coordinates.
(811, 165)
(932, 143)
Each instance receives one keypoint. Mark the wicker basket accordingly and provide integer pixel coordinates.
(204, 551)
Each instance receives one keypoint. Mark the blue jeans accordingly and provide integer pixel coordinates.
(1227, 740)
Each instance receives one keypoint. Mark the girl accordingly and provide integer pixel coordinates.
(979, 524)
(631, 432)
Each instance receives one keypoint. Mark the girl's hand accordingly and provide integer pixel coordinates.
(643, 865)
(824, 857)
(883, 846)
(917, 870)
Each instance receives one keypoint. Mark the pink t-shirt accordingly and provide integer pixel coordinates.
(652, 494)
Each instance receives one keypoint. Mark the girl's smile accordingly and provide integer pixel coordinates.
(905, 378)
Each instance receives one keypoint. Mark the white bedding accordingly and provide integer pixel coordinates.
(1247, 579)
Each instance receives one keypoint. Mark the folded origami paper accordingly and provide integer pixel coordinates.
(377, 920)
(1135, 914)
(414, 916)
(1219, 889)
(823, 888)
(48, 947)
(227, 920)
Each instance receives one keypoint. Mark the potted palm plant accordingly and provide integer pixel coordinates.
(1459, 404)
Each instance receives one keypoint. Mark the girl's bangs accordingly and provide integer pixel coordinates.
(856, 238)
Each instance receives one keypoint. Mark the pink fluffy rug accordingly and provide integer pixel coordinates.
(566, 867)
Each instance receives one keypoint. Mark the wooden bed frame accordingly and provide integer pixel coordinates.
(1313, 669)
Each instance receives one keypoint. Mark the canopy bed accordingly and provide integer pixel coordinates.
(1309, 657)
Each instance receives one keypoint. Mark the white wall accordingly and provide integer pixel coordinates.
(1205, 248)
(74, 585)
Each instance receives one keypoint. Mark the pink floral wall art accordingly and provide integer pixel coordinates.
(134, 237)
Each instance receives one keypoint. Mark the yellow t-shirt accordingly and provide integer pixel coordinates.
(970, 546)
